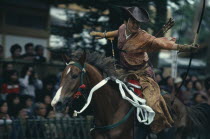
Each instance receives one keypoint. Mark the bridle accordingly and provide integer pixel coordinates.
(82, 87)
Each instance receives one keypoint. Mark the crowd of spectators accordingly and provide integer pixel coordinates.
(24, 96)
(192, 92)
(25, 93)
(22, 93)
(34, 53)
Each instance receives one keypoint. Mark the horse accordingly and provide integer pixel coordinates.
(191, 121)
(109, 107)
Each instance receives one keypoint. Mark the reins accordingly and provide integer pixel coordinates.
(82, 87)
(108, 127)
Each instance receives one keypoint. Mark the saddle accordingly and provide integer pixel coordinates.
(136, 87)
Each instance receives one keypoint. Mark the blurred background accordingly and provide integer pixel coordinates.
(34, 33)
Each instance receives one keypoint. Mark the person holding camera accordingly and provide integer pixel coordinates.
(29, 81)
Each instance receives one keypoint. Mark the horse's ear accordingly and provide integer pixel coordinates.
(82, 58)
(66, 58)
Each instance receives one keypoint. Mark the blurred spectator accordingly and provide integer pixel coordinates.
(49, 83)
(51, 128)
(177, 91)
(1, 52)
(39, 57)
(47, 101)
(48, 87)
(10, 84)
(14, 105)
(199, 98)
(5, 68)
(158, 78)
(187, 93)
(168, 84)
(39, 128)
(4, 116)
(4, 110)
(28, 104)
(23, 113)
(198, 86)
(15, 51)
(189, 86)
(29, 81)
(20, 126)
(40, 110)
(200, 95)
(29, 52)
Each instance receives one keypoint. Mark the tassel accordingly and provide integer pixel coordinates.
(76, 95)
(75, 114)
(83, 86)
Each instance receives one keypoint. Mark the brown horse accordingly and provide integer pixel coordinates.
(191, 121)
(109, 107)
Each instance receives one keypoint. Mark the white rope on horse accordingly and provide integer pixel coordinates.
(144, 114)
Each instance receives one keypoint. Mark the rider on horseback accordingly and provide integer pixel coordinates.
(134, 43)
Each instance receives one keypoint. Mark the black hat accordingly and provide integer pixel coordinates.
(140, 14)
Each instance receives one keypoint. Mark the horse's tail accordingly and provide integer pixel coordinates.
(199, 120)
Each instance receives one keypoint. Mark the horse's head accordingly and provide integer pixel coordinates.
(71, 83)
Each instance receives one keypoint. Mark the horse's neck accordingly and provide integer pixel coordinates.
(106, 96)
(107, 101)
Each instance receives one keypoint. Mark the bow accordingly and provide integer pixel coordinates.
(194, 42)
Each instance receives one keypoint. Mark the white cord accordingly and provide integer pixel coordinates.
(144, 114)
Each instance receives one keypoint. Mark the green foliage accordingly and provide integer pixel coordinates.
(184, 22)
(185, 18)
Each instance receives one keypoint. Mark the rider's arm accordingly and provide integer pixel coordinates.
(163, 43)
(109, 34)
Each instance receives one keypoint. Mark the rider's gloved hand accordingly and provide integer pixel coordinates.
(187, 48)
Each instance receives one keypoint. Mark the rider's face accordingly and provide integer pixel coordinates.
(133, 25)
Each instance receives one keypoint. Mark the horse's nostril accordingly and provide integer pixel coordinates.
(59, 107)
(59, 103)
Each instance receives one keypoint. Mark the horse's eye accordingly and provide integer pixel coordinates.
(74, 76)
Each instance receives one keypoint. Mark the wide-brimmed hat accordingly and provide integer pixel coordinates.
(140, 14)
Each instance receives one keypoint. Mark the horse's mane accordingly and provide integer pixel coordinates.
(99, 60)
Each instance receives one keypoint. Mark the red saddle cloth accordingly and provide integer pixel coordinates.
(136, 90)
